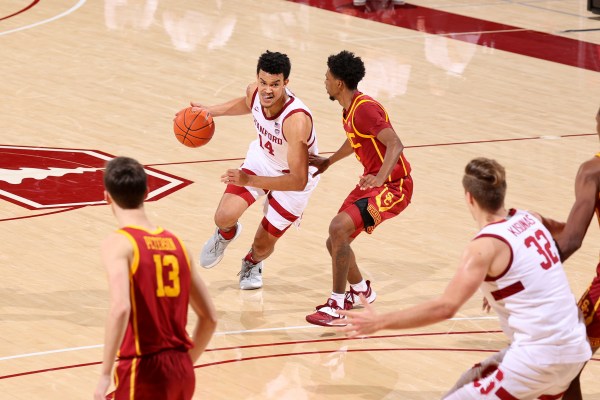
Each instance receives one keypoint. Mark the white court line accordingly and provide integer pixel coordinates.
(286, 328)
(43, 353)
(69, 11)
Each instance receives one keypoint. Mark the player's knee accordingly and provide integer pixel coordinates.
(338, 232)
(328, 244)
(224, 219)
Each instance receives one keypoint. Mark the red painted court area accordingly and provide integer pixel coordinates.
(514, 39)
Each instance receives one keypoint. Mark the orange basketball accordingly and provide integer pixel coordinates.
(193, 127)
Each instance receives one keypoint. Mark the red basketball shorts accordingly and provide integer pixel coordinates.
(168, 375)
(590, 306)
(383, 203)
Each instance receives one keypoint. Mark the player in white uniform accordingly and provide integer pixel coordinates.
(516, 264)
(276, 166)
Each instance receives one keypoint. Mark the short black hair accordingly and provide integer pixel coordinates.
(274, 63)
(347, 67)
(126, 182)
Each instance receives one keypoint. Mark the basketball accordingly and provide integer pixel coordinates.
(193, 127)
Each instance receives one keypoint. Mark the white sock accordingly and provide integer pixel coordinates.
(339, 298)
(360, 286)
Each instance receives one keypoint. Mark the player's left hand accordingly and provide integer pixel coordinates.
(360, 323)
(235, 177)
(102, 387)
(368, 181)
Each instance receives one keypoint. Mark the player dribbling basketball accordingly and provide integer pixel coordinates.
(276, 167)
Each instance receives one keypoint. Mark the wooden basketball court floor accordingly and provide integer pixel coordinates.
(512, 80)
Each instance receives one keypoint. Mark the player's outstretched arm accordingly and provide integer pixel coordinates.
(237, 106)
(587, 185)
(323, 163)
(474, 265)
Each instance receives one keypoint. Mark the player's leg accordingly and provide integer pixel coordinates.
(354, 274)
(342, 231)
(233, 204)
(478, 371)
(520, 376)
(282, 209)
(363, 221)
(574, 390)
(252, 264)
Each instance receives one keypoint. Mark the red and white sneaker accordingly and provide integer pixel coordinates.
(327, 315)
(354, 300)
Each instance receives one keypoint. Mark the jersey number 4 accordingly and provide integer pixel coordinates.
(267, 145)
(167, 267)
(543, 247)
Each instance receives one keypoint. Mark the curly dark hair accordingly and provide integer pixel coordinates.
(274, 63)
(347, 67)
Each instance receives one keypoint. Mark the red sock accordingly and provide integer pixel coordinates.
(229, 234)
(249, 258)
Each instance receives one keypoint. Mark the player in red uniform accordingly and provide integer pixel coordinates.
(383, 191)
(569, 237)
(151, 283)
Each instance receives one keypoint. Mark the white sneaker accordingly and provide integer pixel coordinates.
(359, 2)
(352, 296)
(250, 275)
(214, 249)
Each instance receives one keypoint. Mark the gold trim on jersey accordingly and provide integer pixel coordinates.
(132, 380)
(183, 248)
(350, 135)
(135, 263)
(158, 230)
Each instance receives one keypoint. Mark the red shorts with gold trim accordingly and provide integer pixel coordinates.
(168, 375)
(590, 306)
(384, 202)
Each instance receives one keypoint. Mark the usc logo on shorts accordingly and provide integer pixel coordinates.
(386, 199)
(389, 198)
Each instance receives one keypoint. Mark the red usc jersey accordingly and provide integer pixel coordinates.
(159, 281)
(362, 122)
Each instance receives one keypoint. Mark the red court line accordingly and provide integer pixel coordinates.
(407, 147)
(21, 11)
(299, 353)
(347, 338)
(42, 214)
(264, 345)
(303, 353)
(530, 43)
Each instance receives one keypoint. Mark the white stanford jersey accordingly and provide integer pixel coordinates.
(532, 297)
(271, 142)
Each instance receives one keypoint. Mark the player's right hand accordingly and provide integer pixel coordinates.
(322, 163)
(198, 107)
(196, 104)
